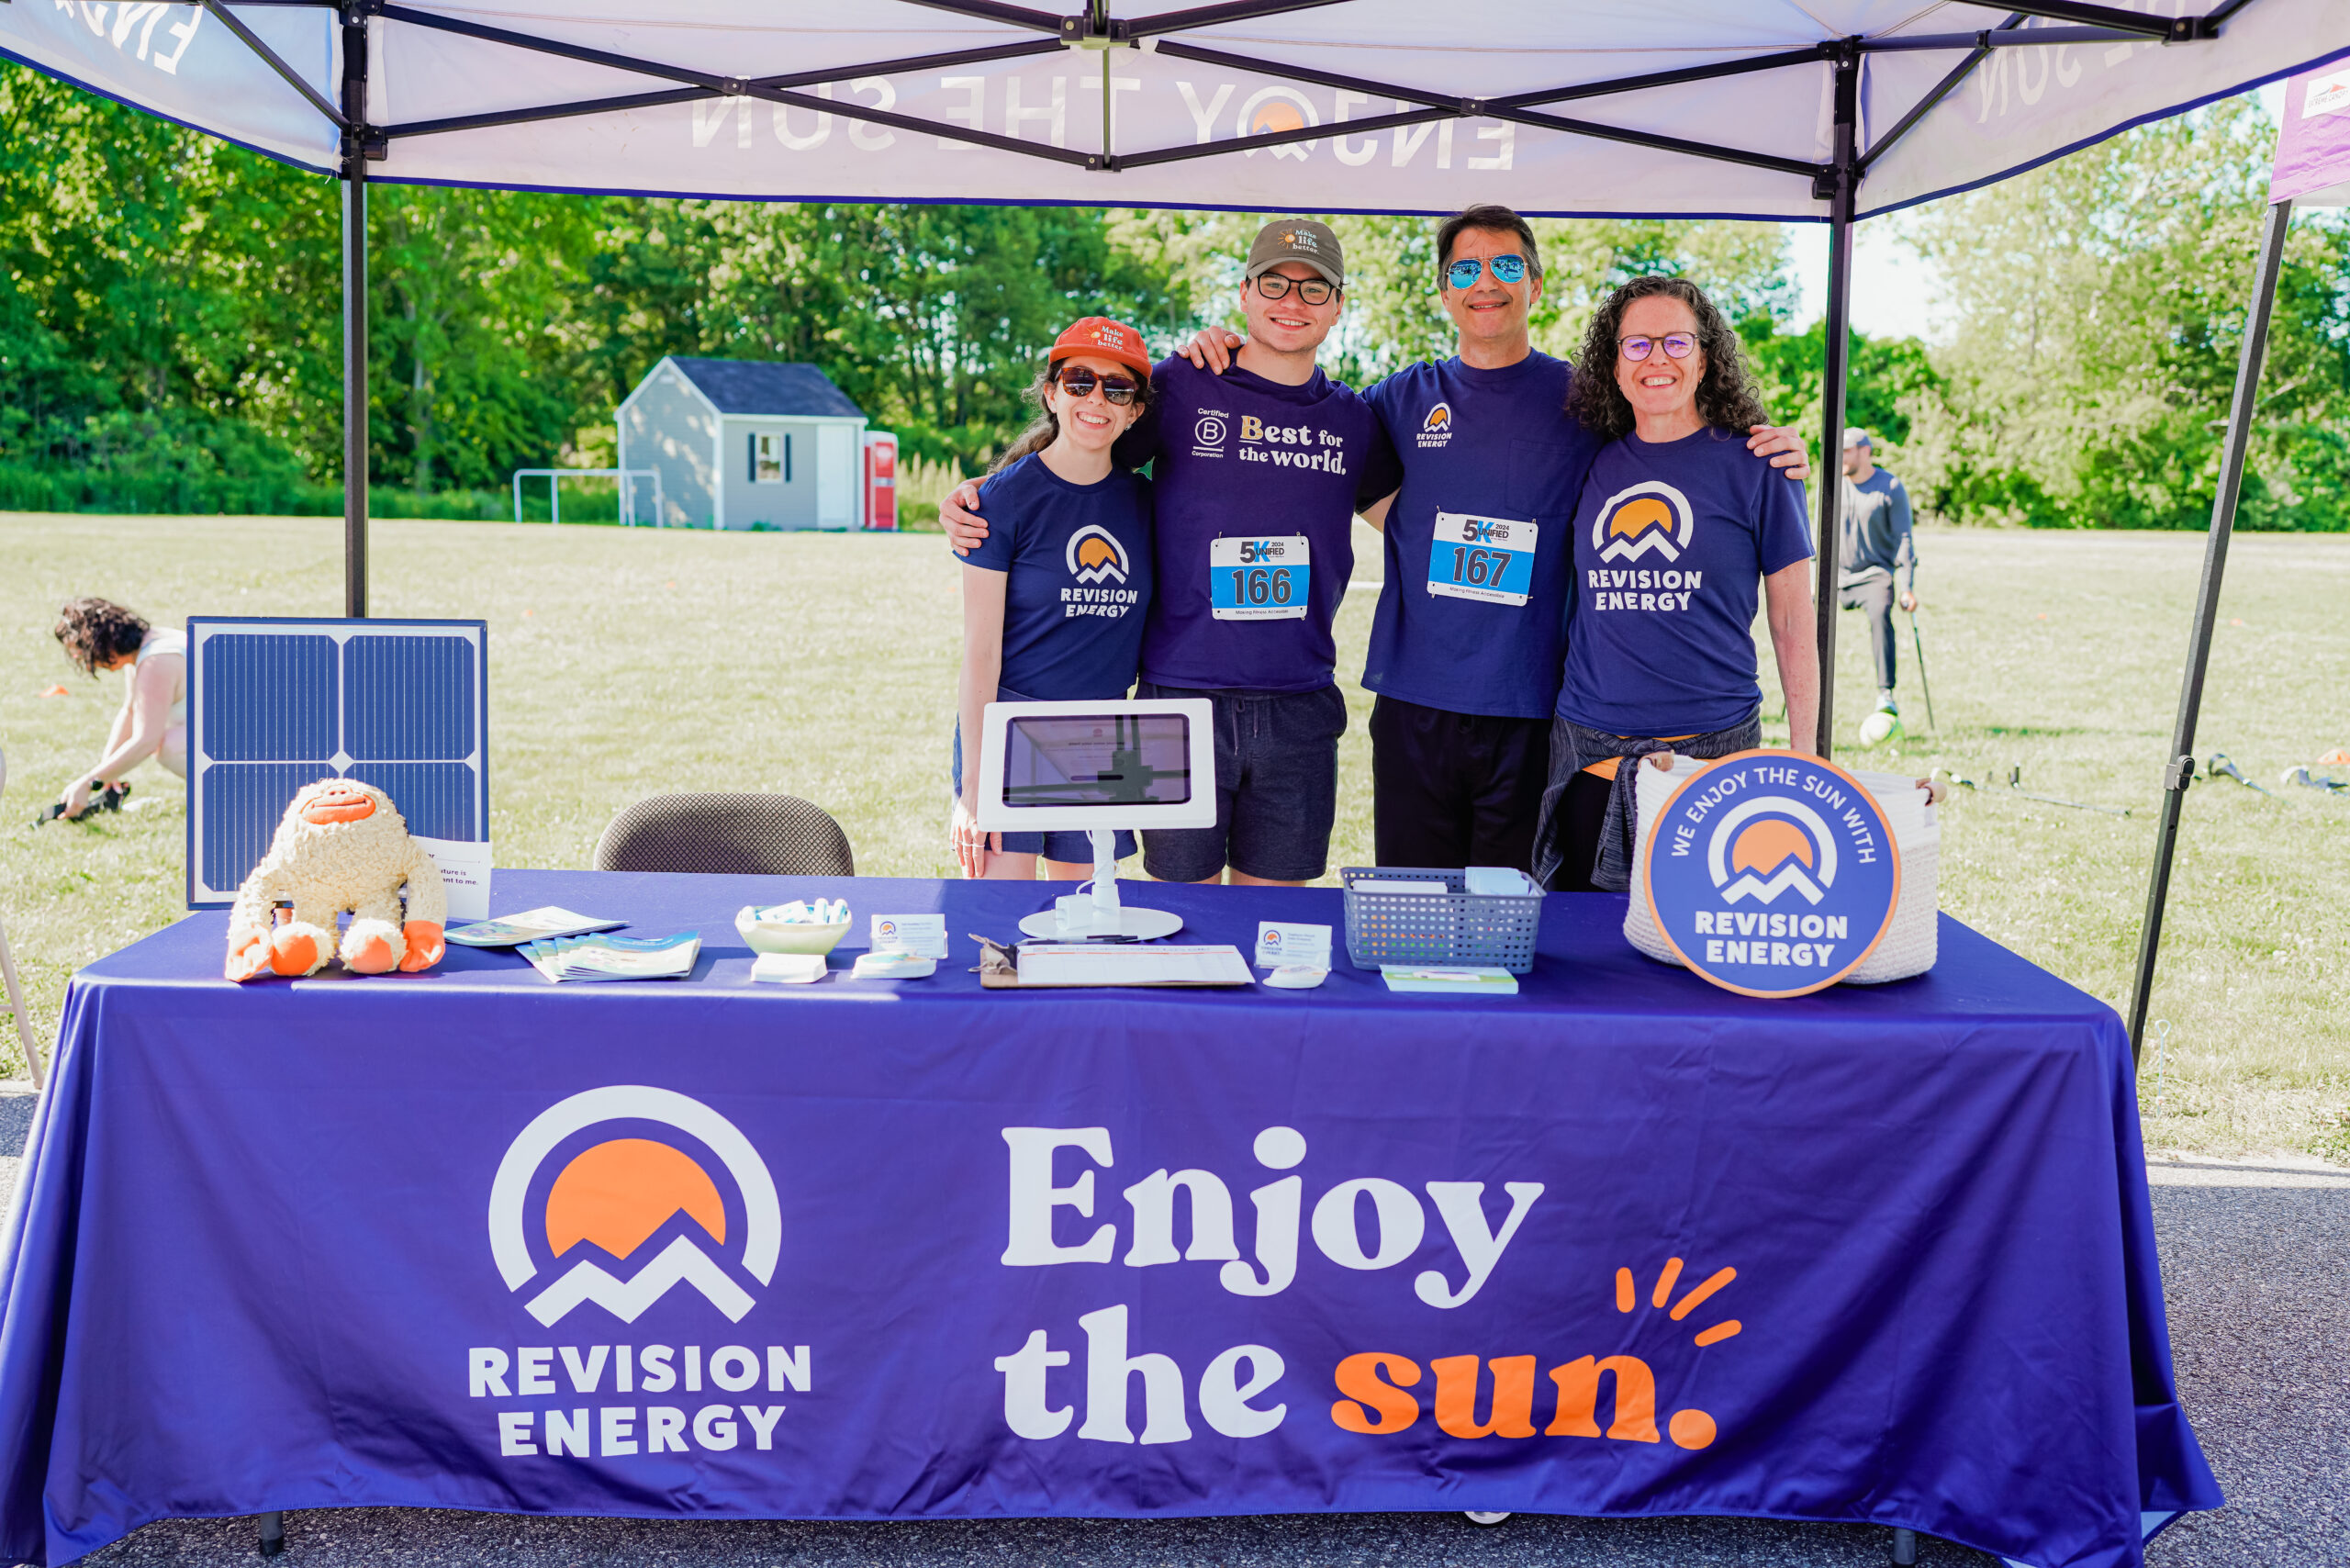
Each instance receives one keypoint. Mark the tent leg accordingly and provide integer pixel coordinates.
(1839, 186)
(1905, 1548)
(272, 1533)
(2181, 768)
(354, 315)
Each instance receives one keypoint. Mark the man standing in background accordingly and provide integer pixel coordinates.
(1874, 543)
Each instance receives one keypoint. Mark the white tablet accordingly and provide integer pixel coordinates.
(1060, 766)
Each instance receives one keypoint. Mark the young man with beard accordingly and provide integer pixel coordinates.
(1469, 636)
(1257, 474)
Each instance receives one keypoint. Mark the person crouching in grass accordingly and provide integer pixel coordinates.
(99, 634)
(1054, 597)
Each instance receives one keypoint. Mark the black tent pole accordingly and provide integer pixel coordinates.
(1839, 184)
(354, 312)
(2180, 769)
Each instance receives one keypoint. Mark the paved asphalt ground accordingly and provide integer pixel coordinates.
(2251, 1261)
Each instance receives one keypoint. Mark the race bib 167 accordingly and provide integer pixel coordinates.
(1487, 559)
(1258, 580)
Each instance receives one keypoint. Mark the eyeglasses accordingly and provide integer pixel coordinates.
(1463, 274)
(1677, 345)
(1080, 382)
(1313, 290)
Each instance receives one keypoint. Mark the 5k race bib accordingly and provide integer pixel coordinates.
(1259, 580)
(1487, 559)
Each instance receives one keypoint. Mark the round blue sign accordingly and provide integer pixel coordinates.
(1772, 873)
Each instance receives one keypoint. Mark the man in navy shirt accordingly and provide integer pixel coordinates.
(1469, 636)
(1257, 474)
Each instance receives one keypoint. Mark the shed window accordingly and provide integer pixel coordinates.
(770, 458)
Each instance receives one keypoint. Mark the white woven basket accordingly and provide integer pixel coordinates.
(1908, 947)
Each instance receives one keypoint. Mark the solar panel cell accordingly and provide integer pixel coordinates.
(242, 805)
(268, 698)
(437, 798)
(397, 693)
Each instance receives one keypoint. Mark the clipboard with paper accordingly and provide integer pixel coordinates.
(1070, 965)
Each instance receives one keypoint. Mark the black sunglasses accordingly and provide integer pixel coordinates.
(1080, 382)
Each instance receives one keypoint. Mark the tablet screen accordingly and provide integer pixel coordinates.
(1126, 760)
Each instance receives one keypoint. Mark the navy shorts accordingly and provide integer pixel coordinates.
(1065, 846)
(1276, 788)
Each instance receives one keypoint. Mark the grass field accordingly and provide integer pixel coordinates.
(624, 663)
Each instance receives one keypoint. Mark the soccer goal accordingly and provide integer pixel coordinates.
(630, 487)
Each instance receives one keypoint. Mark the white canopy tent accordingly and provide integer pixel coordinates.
(1818, 110)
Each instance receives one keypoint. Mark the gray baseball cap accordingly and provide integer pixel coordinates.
(1856, 436)
(1298, 239)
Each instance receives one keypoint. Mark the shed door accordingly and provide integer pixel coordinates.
(836, 476)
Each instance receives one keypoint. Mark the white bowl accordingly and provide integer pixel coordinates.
(783, 937)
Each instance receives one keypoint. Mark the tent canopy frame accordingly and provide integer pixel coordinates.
(1835, 181)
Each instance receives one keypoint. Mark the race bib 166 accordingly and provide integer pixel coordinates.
(1258, 580)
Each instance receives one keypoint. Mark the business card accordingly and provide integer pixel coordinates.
(924, 935)
(1279, 941)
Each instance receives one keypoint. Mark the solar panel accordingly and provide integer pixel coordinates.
(275, 704)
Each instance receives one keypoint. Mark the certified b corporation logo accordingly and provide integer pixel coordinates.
(1207, 435)
(612, 1198)
(1646, 517)
(1772, 873)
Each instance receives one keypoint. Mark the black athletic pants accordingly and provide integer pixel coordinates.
(1451, 789)
(1874, 596)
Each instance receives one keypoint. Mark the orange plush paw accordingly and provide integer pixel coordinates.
(249, 953)
(425, 945)
(293, 951)
(369, 956)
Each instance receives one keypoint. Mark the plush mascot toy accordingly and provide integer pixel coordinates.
(343, 846)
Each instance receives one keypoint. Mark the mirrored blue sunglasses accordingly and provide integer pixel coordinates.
(1463, 274)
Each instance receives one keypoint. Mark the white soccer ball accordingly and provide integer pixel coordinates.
(1880, 727)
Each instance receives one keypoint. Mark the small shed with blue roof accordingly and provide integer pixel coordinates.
(746, 443)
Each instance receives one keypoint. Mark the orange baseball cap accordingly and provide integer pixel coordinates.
(1099, 334)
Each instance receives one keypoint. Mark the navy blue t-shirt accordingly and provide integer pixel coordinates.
(1257, 484)
(1471, 619)
(1671, 544)
(1078, 557)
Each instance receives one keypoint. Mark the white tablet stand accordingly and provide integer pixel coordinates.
(1100, 913)
(1087, 804)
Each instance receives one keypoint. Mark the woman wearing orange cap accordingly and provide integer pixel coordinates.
(1053, 602)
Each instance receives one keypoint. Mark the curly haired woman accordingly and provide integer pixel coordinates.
(99, 634)
(1679, 530)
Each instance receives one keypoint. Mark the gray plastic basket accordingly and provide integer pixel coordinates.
(1451, 927)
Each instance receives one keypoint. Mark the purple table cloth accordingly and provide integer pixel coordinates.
(1622, 1244)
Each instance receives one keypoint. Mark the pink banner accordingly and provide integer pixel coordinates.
(2313, 148)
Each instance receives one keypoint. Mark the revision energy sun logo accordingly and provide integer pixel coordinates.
(1652, 516)
(617, 1195)
(1746, 831)
(1094, 553)
(1435, 428)
(1761, 848)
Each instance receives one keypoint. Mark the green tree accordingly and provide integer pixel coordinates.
(2099, 306)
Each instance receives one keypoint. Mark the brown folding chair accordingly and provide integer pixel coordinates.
(718, 834)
